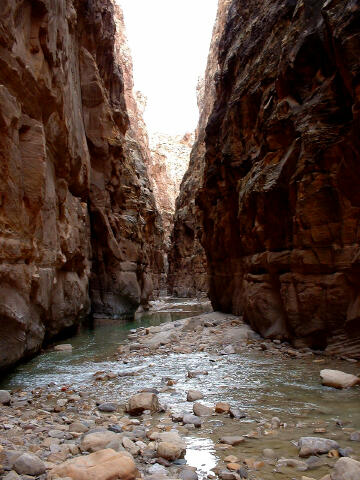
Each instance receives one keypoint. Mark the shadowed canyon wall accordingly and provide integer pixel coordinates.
(78, 221)
(279, 199)
(187, 275)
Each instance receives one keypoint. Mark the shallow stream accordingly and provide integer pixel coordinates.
(260, 384)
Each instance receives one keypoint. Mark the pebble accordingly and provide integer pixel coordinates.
(232, 440)
(193, 395)
(108, 407)
(222, 407)
(236, 413)
(29, 464)
(190, 419)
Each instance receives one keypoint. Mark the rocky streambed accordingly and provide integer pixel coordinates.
(200, 397)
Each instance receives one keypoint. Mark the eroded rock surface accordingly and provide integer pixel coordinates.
(279, 200)
(75, 201)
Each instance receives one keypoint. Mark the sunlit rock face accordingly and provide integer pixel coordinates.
(169, 160)
(280, 199)
(187, 262)
(77, 213)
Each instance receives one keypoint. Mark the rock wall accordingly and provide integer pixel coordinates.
(280, 197)
(169, 160)
(75, 202)
(187, 275)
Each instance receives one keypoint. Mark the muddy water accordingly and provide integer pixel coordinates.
(261, 384)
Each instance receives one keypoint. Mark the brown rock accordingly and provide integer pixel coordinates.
(277, 199)
(102, 465)
(338, 379)
(222, 407)
(143, 401)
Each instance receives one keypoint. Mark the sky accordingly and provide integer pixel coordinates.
(169, 41)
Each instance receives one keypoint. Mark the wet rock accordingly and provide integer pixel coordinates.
(190, 419)
(222, 407)
(157, 469)
(66, 347)
(171, 451)
(236, 413)
(355, 436)
(345, 452)
(5, 397)
(95, 441)
(227, 475)
(338, 379)
(232, 440)
(314, 445)
(108, 407)
(188, 474)
(275, 423)
(233, 466)
(102, 465)
(202, 410)
(346, 469)
(293, 463)
(269, 453)
(143, 401)
(29, 464)
(193, 395)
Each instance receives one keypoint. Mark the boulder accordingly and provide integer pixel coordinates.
(170, 451)
(193, 395)
(102, 465)
(346, 469)
(222, 407)
(95, 441)
(316, 445)
(202, 410)
(338, 379)
(189, 419)
(5, 397)
(143, 401)
(29, 464)
(232, 440)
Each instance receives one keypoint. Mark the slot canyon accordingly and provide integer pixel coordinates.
(180, 306)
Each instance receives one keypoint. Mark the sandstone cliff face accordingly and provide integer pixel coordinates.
(74, 194)
(187, 275)
(280, 198)
(168, 162)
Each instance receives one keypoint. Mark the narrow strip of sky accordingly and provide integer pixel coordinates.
(169, 41)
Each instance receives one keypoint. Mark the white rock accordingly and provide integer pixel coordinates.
(346, 469)
(338, 379)
(66, 347)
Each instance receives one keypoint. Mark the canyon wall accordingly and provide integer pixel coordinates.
(279, 198)
(187, 275)
(79, 229)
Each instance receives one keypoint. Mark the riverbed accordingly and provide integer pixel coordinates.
(263, 383)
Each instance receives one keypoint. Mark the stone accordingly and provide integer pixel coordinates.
(93, 442)
(346, 469)
(63, 348)
(316, 445)
(5, 397)
(189, 419)
(293, 463)
(170, 451)
(227, 475)
(29, 464)
(130, 446)
(11, 476)
(275, 423)
(188, 474)
(269, 453)
(355, 436)
(143, 401)
(78, 427)
(193, 395)
(338, 379)
(236, 413)
(228, 350)
(201, 410)
(233, 466)
(232, 440)
(102, 465)
(108, 407)
(222, 407)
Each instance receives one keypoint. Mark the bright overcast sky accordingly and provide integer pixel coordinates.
(169, 40)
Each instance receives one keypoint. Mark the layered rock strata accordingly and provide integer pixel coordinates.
(75, 201)
(280, 199)
(187, 275)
